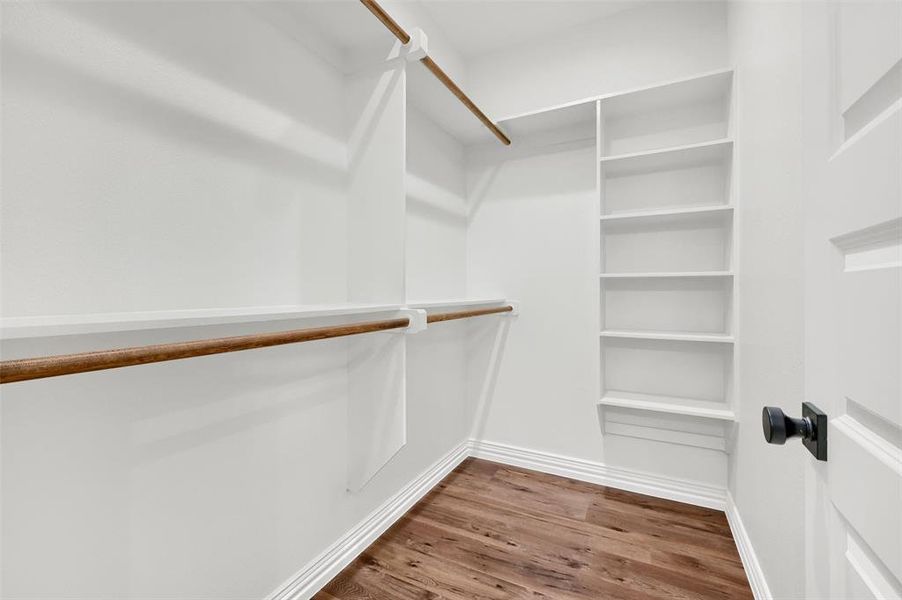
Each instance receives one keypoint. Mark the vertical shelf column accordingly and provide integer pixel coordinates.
(667, 249)
(377, 403)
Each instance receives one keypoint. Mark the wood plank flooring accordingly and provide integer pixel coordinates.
(489, 531)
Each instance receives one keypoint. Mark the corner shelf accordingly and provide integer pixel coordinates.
(718, 338)
(651, 214)
(667, 274)
(667, 158)
(665, 404)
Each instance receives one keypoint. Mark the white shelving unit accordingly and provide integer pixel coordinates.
(667, 256)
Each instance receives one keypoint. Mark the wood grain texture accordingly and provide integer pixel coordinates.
(387, 20)
(489, 531)
(83, 362)
(395, 28)
(466, 314)
(455, 89)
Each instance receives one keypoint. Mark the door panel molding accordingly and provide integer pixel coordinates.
(865, 484)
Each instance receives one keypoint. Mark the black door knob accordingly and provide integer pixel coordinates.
(778, 427)
(812, 428)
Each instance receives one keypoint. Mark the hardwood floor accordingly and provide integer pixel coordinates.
(489, 531)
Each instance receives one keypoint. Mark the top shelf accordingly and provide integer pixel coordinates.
(691, 111)
(678, 157)
(578, 117)
(710, 87)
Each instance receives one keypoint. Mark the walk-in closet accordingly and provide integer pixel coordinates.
(450, 299)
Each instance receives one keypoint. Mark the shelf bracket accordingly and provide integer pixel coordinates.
(417, 318)
(418, 46)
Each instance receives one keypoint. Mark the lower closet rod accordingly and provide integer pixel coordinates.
(68, 364)
(25, 369)
(465, 314)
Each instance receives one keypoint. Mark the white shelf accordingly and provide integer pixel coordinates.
(651, 214)
(673, 336)
(455, 303)
(667, 158)
(666, 274)
(700, 89)
(57, 325)
(611, 96)
(666, 404)
(53, 325)
(578, 116)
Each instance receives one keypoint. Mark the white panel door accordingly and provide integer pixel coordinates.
(853, 176)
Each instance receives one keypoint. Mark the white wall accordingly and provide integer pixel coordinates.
(436, 212)
(532, 237)
(147, 170)
(633, 48)
(767, 481)
(173, 157)
(217, 477)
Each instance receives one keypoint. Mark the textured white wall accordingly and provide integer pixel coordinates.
(766, 481)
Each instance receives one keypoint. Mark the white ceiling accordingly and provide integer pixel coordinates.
(474, 27)
(477, 27)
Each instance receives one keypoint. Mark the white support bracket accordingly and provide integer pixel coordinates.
(418, 46)
(417, 318)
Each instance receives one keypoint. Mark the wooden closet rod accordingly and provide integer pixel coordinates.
(68, 364)
(465, 314)
(436, 70)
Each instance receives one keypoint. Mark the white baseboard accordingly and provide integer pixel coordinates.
(750, 563)
(317, 573)
(309, 580)
(690, 492)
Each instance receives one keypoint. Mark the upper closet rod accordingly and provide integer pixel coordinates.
(26, 369)
(436, 70)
